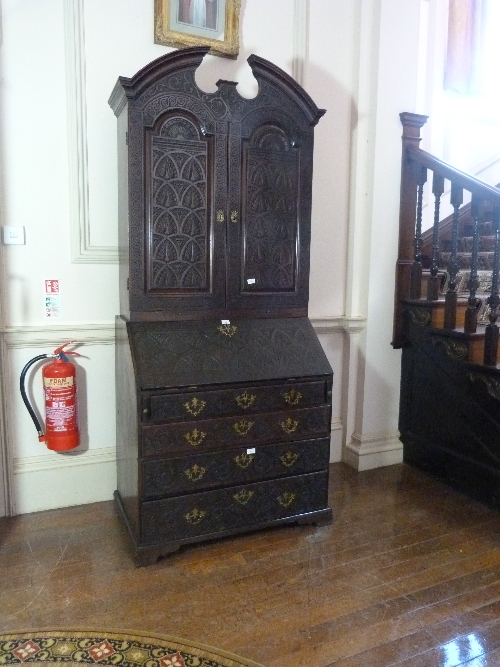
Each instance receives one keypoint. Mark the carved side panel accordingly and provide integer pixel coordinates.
(178, 253)
(270, 190)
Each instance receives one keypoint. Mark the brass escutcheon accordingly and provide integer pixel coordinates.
(242, 427)
(220, 217)
(286, 499)
(196, 437)
(195, 406)
(289, 459)
(195, 473)
(245, 400)
(243, 496)
(195, 516)
(234, 216)
(289, 425)
(244, 460)
(227, 329)
(292, 397)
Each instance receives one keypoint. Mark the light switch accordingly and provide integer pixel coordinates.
(13, 235)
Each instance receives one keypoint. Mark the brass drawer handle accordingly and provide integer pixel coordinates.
(286, 499)
(292, 397)
(195, 516)
(195, 473)
(243, 496)
(227, 329)
(195, 406)
(195, 438)
(289, 425)
(245, 400)
(289, 459)
(234, 215)
(220, 217)
(244, 460)
(242, 427)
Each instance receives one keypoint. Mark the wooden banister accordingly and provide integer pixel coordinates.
(414, 166)
(412, 124)
(467, 182)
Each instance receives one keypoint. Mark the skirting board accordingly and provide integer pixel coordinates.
(63, 480)
(375, 451)
(336, 441)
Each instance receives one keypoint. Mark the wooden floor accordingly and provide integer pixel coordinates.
(408, 574)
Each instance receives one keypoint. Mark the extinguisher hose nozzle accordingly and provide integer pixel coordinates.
(41, 435)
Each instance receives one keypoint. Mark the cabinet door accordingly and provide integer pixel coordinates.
(269, 221)
(183, 241)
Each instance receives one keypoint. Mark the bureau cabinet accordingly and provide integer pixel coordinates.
(223, 390)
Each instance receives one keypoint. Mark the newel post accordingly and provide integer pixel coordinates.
(410, 175)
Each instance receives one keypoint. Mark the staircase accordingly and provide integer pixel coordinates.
(446, 308)
(465, 240)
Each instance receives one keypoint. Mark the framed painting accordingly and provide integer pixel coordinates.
(213, 23)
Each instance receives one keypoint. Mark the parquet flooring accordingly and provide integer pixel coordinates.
(408, 574)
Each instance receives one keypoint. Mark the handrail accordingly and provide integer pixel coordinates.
(415, 164)
(473, 185)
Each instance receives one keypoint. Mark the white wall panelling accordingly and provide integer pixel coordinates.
(84, 251)
(62, 480)
(42, 479)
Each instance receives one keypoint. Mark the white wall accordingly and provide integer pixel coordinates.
(59, 62)
(387, 76)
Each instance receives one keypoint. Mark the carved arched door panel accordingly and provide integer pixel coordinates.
(269, 240)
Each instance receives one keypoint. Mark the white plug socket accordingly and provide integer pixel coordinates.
(13, 235)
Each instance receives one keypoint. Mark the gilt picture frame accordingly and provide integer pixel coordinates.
(213, 23)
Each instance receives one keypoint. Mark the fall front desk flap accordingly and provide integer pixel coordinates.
(170, 354)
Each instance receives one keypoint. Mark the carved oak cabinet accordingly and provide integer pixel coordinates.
(223, 389)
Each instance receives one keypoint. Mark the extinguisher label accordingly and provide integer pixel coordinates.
(58, 383)
(60, 405)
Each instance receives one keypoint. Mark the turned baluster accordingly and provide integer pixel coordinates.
(491, 332)
(416, 269)
(470, 325)
(450, 308)
(433, 284)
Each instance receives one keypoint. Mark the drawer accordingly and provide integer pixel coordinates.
(164, 477)
(248, 431)
(213, 512)
(237, 400)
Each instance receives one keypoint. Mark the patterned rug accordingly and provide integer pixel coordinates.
(77, 648)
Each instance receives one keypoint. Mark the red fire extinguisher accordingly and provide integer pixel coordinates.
(59, 386)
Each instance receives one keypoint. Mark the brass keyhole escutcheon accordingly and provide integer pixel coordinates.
(195, 437)
(243, 496)
(292, 397)
(220, 217)
(289, 459)
(286, 499)
(195, 473)
(195, 516)
(245, 400)
(195, 406)
(227, 329)
(244, 460)
(242, 427)
(289, 425)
